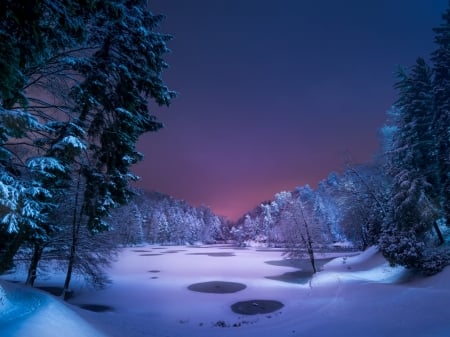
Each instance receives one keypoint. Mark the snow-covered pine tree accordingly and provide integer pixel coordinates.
(111, 103)
(99, 62)
(209, 224)
(326, 213)
(25, 196)
(267, 222)
(407, 237)
(441, 121)
(51, 176)
(34, 37)
(164, 232)
(249, 228)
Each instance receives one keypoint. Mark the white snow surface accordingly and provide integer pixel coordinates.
(33, 313)
(352, 296)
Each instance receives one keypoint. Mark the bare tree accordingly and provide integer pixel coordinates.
(303, 229)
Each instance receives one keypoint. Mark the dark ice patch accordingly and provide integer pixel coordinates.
(217, 287)
(219, 254)
(255, 307)
(96, 307)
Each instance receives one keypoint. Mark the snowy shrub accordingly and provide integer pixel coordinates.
(402, 247)
(434, 261)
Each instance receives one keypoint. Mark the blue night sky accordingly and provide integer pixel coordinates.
(276, 94)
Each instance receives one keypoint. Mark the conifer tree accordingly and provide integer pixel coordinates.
(33, 34)
(111, 103)
(441, 121)
(77, 78)
(414, 163)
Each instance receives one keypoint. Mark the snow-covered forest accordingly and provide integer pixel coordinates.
(77, 83)
(160, 219)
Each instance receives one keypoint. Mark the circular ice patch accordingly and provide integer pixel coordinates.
(254, 307)
(96, 307)
(217, 287)
(219, 254)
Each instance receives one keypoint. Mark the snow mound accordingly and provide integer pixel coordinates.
(5, 303)
(29, 312)
(369, 266)
(17, 304)
(366, 260)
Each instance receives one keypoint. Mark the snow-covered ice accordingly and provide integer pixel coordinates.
(352, 296)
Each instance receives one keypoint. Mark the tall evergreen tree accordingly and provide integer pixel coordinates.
(32, 32)
(79, 76)
(441, 121)
(111, 103)
(414, 165)
(35, 36)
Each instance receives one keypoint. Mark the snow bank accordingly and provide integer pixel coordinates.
(29, 312)
(369, 266)
(5, 303)
(365, 260)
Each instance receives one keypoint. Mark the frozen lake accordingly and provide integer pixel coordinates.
(156, 293)
(152, 283)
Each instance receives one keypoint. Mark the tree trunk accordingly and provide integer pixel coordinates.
(76, 224)
(309, 242)
(364, 240)
(312, 259)
(447, 212)
(439, 233)
(71, 261)
(32, 270)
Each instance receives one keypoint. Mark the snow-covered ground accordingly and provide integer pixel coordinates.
(352, 296)
(29, 313)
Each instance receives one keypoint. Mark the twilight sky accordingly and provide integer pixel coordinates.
(276, 94)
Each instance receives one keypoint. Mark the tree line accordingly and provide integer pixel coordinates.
(156, 218)
(345, 210)
(148, 217)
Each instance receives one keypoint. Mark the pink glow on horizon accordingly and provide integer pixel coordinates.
(279, 98)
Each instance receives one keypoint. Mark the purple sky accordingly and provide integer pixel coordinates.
(276, 94)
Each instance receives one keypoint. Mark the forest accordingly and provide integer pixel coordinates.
(76, 79)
